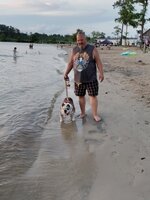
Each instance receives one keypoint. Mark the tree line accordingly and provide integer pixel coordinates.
(11, 34)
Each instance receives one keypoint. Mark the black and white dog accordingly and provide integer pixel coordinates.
(67, 110)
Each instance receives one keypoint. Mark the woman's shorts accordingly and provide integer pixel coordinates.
(91, 87)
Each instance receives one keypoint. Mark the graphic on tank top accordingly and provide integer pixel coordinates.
(81, 61)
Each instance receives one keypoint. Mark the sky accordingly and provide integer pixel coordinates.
(61, 16)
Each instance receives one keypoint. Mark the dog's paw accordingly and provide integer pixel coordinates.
(61, 120)
(73, 118)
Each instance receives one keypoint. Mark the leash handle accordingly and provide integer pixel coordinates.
(67, 82)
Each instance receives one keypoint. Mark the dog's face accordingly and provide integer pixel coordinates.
(67, 109)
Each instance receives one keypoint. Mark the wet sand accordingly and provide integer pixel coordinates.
(120, 142)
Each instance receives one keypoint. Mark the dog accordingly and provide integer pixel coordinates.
(67, 110)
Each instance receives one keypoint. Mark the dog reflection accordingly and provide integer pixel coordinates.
(69, 130)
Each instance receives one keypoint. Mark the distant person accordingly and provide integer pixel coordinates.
(108, 46)
(85, 61)
(15, 54)
(31, 46)
(146, 45)
(15, 50)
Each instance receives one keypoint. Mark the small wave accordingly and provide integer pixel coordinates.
(59, 72)
(5, 55)
(52, 104)
(55, 58)
(18, 153)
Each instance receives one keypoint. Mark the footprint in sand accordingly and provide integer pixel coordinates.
(93, 144)
(92, 131)
(147, 122)
(114, 153)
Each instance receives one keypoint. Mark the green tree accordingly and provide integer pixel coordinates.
(127, 16)
(116, 33)
(118, 4)
(142, 19)
(97, 34)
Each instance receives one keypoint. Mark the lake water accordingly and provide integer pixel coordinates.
(29, 83)
(40, 159)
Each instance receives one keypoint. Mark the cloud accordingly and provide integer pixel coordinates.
(61, 16)
(25, 7)
(51, 7)
(61, 25)
(39, 6)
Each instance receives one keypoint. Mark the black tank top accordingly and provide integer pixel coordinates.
(84, 65)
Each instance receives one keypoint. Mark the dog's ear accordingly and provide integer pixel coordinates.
(62, 104)
(66, 100)
(70, 100)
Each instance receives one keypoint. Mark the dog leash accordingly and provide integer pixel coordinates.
(67, 84)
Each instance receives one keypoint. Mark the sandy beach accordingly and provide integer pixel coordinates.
(121, 141)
